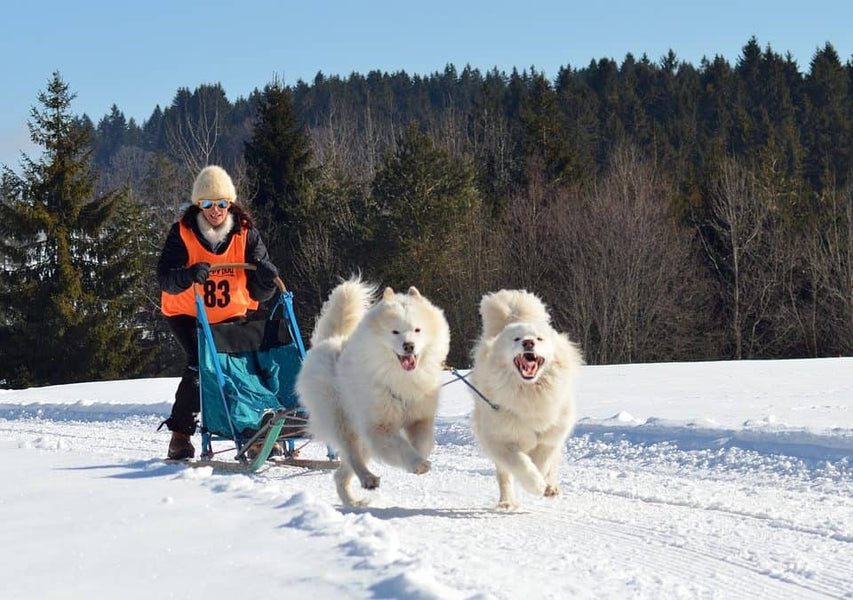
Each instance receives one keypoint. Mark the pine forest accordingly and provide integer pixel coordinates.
(664, 211)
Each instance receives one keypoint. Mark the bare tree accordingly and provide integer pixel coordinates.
(315, 259)
(156, 185)
(336, 142)
(448, 126)
(351, 140)
(193, 133)
(744, 243)
(839, 248)
(820, 302)
(526, 218)
(478, 268)
(621, 275)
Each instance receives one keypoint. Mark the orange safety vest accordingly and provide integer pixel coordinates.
(224, 294)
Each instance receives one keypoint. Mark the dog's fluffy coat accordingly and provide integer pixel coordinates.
(526, 368)
(371, 380)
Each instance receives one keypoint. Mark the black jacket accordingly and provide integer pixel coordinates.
(171, 268)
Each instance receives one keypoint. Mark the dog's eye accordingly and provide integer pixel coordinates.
(517, 340)
(395, 332)
(417, 329)
(539, 339)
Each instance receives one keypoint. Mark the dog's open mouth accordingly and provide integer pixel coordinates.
(528, 364)
(408, 361)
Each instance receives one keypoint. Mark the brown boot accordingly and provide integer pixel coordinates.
(180, 447)
(255, 449)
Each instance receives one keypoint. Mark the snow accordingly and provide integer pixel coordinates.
(689, 480)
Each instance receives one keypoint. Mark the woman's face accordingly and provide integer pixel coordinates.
(216, 214)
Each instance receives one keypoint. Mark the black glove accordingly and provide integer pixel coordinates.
(197, 273)
(266, 272)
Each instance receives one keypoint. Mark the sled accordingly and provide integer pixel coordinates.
(247, 372)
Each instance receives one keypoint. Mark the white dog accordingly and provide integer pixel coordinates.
(371, 380)
(526, 370)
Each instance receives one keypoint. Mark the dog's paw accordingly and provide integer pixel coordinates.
(551, 490)
(371, 482)
(354, 502)
(422, 467)
(507, 505)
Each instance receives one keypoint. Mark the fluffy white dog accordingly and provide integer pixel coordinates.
(371, 380)
(526, 370)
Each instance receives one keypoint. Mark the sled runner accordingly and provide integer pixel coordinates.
(247, 372)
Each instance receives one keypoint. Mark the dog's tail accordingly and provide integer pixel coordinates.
(499, 309)
(343, 310)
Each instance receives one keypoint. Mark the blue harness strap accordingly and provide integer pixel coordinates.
(461, 378)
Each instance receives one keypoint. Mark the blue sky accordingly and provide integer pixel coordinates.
(136, 55)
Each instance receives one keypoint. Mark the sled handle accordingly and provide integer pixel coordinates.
(247, 267)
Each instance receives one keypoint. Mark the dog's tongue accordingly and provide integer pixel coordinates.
(526, 366)
(529, 367)
(408, 362)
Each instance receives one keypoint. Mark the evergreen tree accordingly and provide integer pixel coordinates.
(636, 86)
(152, 131)
(420, 198)
(715, 109)
(580, 105)
(110, 136)
(67, 310)
(423, 208)
(826, 124)
(546, 132)
(751, 119)
(279, 171)
(603, 78)
(492, 142)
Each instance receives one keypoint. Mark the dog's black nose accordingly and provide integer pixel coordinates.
(528, 344)
(408, 347)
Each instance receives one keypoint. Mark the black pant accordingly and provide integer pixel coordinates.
(186, 406)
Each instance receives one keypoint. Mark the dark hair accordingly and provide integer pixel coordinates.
(241, 215)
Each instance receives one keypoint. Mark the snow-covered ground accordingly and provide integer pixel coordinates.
(700, 480)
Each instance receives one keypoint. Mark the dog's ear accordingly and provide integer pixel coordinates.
(413, 291)
(388, 294)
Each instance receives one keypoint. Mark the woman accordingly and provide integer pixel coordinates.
(213, 230)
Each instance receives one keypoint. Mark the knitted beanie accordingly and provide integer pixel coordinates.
(213, 183)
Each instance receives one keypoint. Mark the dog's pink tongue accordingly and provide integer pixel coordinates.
(526, 367)
(408, 362)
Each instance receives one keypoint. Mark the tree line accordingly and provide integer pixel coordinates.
(663, 211)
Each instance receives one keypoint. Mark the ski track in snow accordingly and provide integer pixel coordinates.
(667, 519)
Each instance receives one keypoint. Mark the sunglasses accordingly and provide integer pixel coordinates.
(221, 203)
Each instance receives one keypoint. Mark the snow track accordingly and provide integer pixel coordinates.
(630, 531)
(634, 519)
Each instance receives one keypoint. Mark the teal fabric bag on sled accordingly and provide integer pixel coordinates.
(254, 381)
(247, 374)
